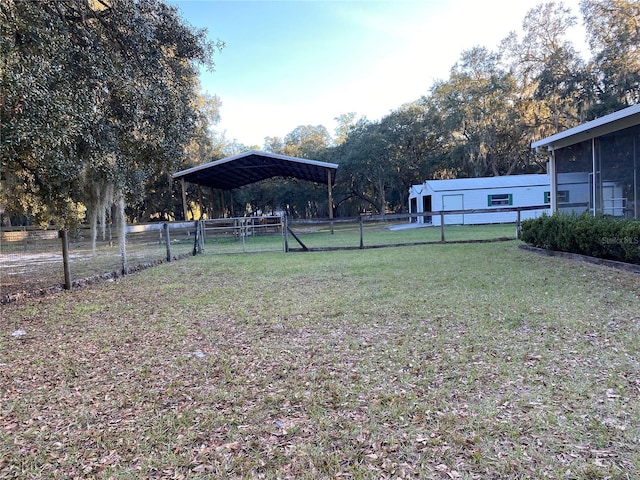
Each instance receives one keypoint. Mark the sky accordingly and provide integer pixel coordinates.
(305, 62)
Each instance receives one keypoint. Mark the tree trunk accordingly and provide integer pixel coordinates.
(94, 228)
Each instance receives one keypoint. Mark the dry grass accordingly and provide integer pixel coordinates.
(447, 361)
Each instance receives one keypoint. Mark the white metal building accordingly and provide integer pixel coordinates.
(508, 191)
(479, 193)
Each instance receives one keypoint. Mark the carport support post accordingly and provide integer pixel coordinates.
(212, 203)
(184, 198)
(200, 204)
(330, 198)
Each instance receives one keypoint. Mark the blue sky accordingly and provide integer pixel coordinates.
(304, 62)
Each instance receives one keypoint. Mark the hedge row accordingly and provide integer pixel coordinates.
(603, 237)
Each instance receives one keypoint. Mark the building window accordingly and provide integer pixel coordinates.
(501, 199)
(563, 196)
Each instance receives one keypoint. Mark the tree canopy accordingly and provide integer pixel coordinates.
(98, 100)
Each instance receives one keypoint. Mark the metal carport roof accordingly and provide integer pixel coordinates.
(253, 166)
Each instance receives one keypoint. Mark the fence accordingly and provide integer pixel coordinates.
(33, 262)
(403, 229)
(243, 234)
(37, 261)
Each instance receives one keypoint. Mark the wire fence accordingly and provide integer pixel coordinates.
(243, 234)
(408, 229)
(35, 262)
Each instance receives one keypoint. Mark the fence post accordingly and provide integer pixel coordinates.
(361, 232)
(167, 240)
(65, 259)
(518, 224)
(286, 233)
(243, 233)
(442, 226)
(196, 240)
(122, 235)
(202, 235)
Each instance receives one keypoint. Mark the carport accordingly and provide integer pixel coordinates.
(254, 166)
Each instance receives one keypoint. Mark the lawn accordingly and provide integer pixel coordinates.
(460, 361)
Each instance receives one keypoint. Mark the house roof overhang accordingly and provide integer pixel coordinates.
(254, 166)
(627, 117)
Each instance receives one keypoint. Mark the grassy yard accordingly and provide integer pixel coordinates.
(475, 361)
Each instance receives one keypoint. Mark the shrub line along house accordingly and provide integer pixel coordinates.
(592, 168)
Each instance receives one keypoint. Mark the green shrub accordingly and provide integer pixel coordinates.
(566, 241)
(529, 231)
(630, 241)
(550, 232)
(589, 234)
(603, 237)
